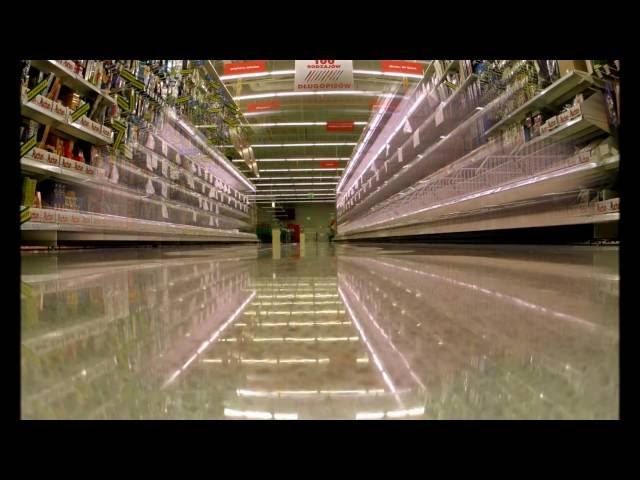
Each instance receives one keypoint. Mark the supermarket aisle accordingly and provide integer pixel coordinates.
(321, 331)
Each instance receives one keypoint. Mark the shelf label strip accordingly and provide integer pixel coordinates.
(132, 79)
(25, 214)
(28, 146)
(80, 112)
(37, 90)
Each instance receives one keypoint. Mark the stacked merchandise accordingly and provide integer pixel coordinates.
(85, 138)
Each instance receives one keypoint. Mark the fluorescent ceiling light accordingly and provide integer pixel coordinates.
(303, 190)
(314, 144)
(281, 73)
(266, 160)
(387, 74)
(302, 170)
(301, 200)
(365, 93)
(288, 124)
(298, 183)
(269, 195)
(296, 178)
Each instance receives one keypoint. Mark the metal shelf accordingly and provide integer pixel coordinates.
(576, 129)
(70, 78)
(555, 95)
(466, 213)
(111, 227)
(75, 130)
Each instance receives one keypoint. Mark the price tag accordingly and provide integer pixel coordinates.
(211, 220)
(199, 202)
(195, 216)
(149, 162)
(416, 138)
(190, 181)
(400, 154)
(164, 167)
(164, 149)
(165, 213)
(165, 189)
(203, 188)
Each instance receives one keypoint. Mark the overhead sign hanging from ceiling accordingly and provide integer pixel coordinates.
(340, 126)
(264, 106)
(398, 66)
(237, 68)
(324, 75)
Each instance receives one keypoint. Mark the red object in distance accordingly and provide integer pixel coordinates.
(264, 106)
(340, 126)
(245, 67)
(398, 66)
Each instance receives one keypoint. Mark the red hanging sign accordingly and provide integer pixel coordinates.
(264, 106)
(340, 126)
(398, 66)
(245, 67)
(329, 164)
(392, 105)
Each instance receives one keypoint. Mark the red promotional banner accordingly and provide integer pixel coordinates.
(398, 66)
(340, 126)
(264, 106)
(329, 164)
(377, 104)
(245, 67)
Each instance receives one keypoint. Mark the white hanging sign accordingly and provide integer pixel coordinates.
(323, 75)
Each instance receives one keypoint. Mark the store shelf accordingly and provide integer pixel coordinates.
(96, 227)
(466, 213)
(555, 95)
(578, 129)
(71, 79)
(75, 130)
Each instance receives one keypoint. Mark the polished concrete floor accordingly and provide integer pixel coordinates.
(321, 331)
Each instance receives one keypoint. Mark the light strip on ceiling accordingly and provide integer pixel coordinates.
(297, 178)
(266, 160)
(298, 183)
(304, 190)
(300, 200)
(296, 124)
(283, 124)
(301, 170)
(269, 195)
(365, 93)
(281, 73)
(314, 144)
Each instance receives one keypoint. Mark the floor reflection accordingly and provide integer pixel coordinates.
(321, 332)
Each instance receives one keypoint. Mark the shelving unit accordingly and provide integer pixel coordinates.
(71, 79)
(393, 199)
(172, 212)
(75, 130)
(552, 97)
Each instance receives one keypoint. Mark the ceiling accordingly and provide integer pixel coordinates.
(293, 174)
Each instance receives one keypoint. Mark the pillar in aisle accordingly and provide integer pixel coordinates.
(275, 242)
